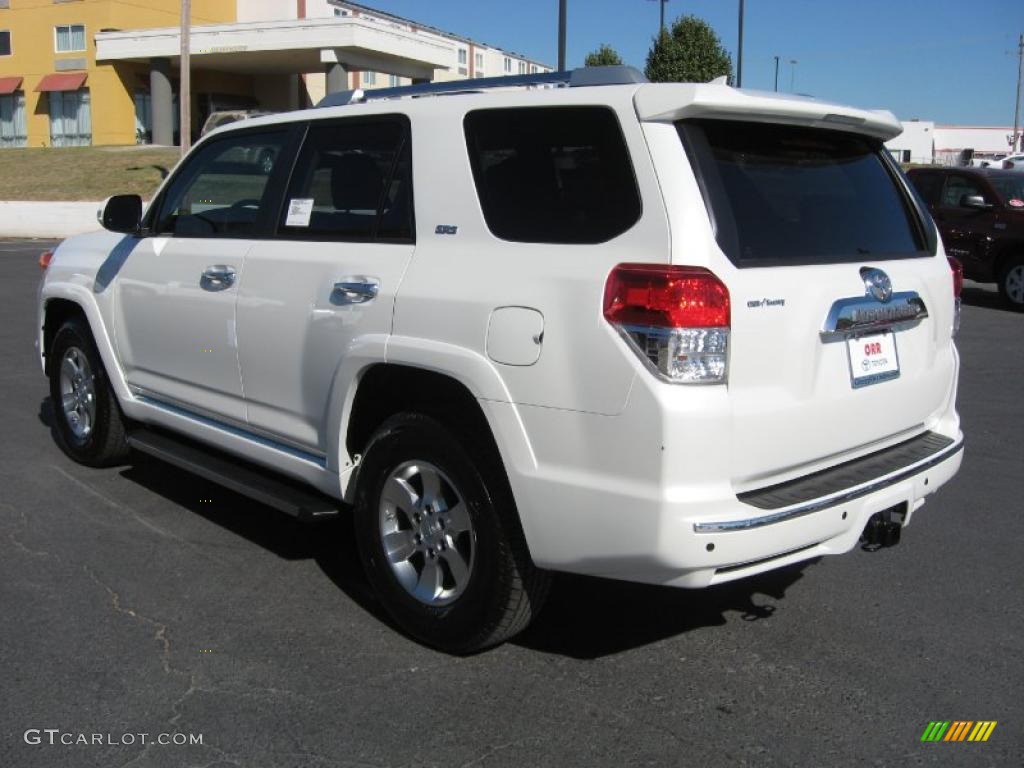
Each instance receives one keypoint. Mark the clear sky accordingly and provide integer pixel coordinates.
(944, 60)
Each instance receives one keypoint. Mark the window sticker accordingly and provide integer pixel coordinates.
(299, 211)
(1016, 203)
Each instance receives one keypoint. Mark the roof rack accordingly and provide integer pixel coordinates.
(576, 78)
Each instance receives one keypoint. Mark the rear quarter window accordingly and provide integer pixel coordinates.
(792, 195)
(552, 174)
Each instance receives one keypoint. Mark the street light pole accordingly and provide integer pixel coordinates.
(739, 52)
(561, 34)
(776, 74)
(792, 73)
(185, 88)
(1017, 143)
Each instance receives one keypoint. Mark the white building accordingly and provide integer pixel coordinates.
(283, 55)
(916, 144)
(926, 142)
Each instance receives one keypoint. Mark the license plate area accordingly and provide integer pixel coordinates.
(873, 359)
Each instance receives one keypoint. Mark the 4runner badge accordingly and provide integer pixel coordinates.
(754, 304)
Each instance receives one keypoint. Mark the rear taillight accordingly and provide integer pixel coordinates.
(676, 319)
(958, 286)
(44, 259)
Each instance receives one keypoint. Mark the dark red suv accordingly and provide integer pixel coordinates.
(980, 214)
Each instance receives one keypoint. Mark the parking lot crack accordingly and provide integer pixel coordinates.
(13, 535)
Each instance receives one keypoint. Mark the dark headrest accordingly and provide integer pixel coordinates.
(356, 183)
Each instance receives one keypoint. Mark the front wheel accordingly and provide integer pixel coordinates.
(88, 424)
(1011, 283)
(440, 539)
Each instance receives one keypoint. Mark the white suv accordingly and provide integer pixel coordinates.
(677, 334)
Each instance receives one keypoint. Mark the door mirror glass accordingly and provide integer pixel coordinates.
(122, 213)
(974, 201)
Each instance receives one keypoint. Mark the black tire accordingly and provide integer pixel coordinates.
(1011, 283)
(502, 589)
(105, 443)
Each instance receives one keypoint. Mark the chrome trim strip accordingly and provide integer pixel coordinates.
(865, 314)
(320, 461)
(828, 501)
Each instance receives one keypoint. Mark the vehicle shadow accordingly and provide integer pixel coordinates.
(584, 617)
(983, 296)
(587, 618)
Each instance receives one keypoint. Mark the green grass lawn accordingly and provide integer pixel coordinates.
(82, 173)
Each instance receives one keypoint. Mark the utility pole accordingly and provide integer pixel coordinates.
(739, 52)
(661, 21)
(561, 33)
(1017, 143)
(776, 74)
(185, 88)
(792, 73)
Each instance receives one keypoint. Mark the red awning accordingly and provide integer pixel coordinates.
(9, 85)
(71, 81)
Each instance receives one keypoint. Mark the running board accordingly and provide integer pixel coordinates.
(288, 496)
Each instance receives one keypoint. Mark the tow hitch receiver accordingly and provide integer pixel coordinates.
(883, 528)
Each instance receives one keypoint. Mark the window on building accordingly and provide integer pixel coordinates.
(5, 42)
(348, 185)
(369, 78)
(462, 56)
(522, 67)
(552, 174)
(533, 69)
(70, 37)
(222, 189)
(479, 61)
(508, 66)
(70, 118)
(13, 131)
(394, 81)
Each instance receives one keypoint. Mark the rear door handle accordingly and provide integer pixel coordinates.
(355, 290)
(217, 277)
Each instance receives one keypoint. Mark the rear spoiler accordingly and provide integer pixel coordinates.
(669, 103)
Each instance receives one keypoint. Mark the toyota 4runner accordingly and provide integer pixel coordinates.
(677, 334)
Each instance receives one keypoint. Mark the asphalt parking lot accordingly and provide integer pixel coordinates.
(142, 600)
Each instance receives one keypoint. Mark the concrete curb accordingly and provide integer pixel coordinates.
(47, 219)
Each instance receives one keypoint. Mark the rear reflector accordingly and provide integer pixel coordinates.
(958, 276)
(44, 259)
(676, 319)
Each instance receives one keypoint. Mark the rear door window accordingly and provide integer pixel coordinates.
(552, 174)
(352, 181)
(792, 195)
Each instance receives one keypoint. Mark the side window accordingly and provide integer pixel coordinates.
(222, 190)
(928, 186)
(552, 174)
(352, 181)
(956, 188)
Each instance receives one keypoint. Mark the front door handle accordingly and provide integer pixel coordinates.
(355, 290)
(219, 277)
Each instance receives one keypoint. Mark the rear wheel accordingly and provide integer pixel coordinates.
(440, 539)
(88, 424)
(1011, 283)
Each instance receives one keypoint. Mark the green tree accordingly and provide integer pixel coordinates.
(605, 56)
(690, 53)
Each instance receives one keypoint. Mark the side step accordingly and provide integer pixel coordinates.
(292, 498)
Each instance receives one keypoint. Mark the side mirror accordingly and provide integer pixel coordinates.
(122, 213)
(974, 201)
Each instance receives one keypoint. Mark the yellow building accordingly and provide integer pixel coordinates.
(52, 89)
(76, 72)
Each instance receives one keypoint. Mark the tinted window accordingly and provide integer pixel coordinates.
(928, 185)
(957, 187)
(789, 195)
(552, 175)
(1009, 187)
(222, 190)
(5, 42)
(352, 182)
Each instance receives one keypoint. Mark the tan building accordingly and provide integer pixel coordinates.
(105, 71)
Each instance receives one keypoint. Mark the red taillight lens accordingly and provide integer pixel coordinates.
(958, 276)
(44, 259)
(665, 297)
(675, 319)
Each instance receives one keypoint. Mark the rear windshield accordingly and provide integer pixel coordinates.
(790, 195)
